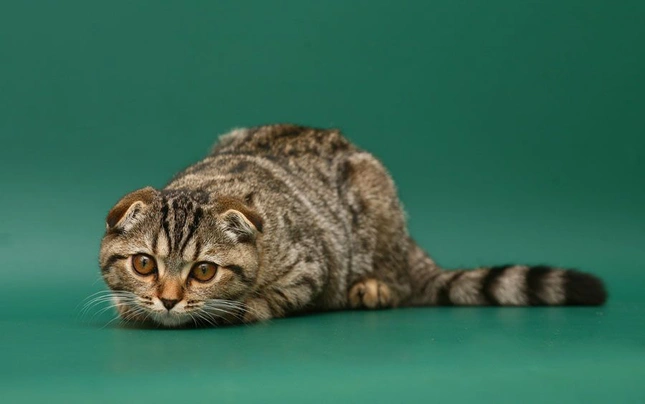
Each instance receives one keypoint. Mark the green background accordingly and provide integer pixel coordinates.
(514, 129)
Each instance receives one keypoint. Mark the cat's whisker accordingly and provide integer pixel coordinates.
(142, 312)
(110, 292)
(198, 317)
(99, 299)
(238, 306)
(133, 314)
(223, 310)
(192, 318)
(96, 297)
(104, 294)
(202, 310)
(231, 307)
(98, 279)
(111, 321)
(94, 304)
(226, 303)
(104, 309)
(219, 306)
(210, 319)
(112, 303)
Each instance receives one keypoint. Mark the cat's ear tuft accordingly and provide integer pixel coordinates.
(126, 212)
(241, 226)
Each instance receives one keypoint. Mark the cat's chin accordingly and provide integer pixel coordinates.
(171, 320)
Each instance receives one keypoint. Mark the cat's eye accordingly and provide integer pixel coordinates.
(203, 271)
(144, 264)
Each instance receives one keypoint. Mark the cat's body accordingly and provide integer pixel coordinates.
(294, 219)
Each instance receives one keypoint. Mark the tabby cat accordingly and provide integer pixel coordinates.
(284, 219)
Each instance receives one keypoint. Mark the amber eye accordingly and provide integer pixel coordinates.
(203, 271)
(144, 264)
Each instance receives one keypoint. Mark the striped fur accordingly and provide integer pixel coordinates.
(511, 285)
(297, 219)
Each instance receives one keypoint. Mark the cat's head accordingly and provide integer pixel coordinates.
(175, 257)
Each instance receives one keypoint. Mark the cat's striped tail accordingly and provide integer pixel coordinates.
(516, 285)
(505, 285)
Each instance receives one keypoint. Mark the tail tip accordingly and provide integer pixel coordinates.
(584, 289)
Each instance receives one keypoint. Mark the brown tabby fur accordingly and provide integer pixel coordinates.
(297, 219)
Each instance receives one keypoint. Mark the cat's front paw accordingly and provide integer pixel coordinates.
(370, 294)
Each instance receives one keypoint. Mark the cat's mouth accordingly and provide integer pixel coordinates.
(142, 309)
(146, 309)
(170, 319)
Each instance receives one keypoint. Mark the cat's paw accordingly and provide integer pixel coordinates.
(370, 294)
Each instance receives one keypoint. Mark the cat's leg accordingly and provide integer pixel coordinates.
(379, 275)
(257, 309)
(251, 310)
(293, 292)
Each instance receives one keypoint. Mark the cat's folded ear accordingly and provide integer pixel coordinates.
(126, 212)
(241, 225)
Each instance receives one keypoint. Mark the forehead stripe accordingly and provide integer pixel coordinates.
(197, 217)
(198, 249)
(164, 223)
(179, 221)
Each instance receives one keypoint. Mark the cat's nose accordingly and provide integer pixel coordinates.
(168, 303)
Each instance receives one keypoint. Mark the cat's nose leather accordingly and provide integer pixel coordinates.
(168, 303)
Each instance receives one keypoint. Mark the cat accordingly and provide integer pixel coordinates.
(284, 219)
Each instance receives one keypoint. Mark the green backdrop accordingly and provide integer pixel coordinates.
(514, 129)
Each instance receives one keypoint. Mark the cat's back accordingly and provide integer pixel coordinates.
(284, 141)
(267, 156)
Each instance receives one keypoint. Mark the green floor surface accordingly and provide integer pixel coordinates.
(515, 131)
(413, 355)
